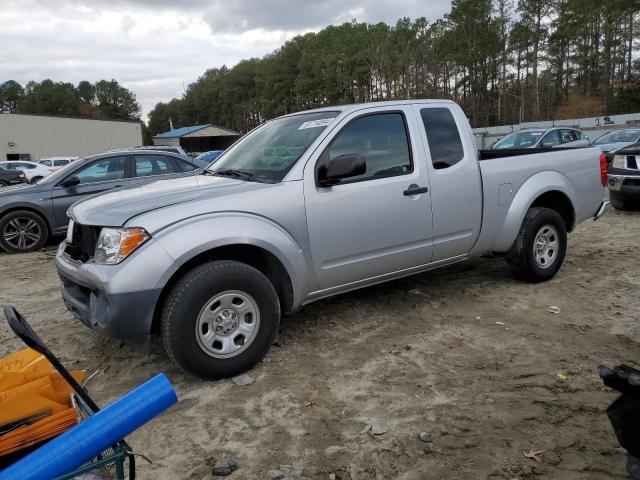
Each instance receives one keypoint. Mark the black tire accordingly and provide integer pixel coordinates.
(190, 296)
(617, 202)
(523, 263)
(35, 179)
(36, 232)
(3, 183)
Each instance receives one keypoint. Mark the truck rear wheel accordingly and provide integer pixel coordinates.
(540, 247)
(220, 319)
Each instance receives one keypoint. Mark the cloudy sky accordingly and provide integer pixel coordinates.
(157, 47)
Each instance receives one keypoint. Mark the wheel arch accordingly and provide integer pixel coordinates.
(28, 208)
(549, 189)
(560, 202)
(258, 257)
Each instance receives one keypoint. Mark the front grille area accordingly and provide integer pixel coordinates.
(83, 244)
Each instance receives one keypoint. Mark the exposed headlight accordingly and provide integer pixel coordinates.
(116, 244)
(619, 161)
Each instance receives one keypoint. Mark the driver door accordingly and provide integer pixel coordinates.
(376, 223)
(96, 177)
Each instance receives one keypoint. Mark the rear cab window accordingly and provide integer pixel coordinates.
(443, 137)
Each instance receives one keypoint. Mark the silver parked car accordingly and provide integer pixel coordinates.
(615, 140)
(30, 214)
(307, 206)
(556, 137)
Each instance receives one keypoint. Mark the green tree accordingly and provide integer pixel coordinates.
(50, 98)
(11, 93)
(115, 101)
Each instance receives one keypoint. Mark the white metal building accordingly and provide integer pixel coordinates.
(31, 137)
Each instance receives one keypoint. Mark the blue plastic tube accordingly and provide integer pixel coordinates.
(85, 441)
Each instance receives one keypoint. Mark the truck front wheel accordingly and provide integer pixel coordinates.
(540, 247)
(220, 319)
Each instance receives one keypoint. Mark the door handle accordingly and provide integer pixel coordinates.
(415, 190)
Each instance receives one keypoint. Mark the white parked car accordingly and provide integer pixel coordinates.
(33, 171)
(56, 163)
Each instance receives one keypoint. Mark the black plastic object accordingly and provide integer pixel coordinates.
(624, 413)
(415, 190)
(24, 331)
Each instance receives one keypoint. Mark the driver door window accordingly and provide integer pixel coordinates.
(381, 139)
(96, 177)
(105, 170)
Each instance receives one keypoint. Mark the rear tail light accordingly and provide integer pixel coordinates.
(21, 175)
(603, 169)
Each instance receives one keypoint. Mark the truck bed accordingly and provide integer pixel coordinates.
(510, 183)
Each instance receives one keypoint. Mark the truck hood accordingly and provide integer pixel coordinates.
(117, 207)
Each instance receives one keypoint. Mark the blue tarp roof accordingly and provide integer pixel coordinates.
(179, 132)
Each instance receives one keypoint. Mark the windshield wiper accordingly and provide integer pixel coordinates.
(230, 172)
(206, 172)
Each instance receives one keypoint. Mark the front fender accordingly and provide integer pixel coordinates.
(528, 192)
(196, 235)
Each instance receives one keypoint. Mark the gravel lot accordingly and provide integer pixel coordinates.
(466, 354)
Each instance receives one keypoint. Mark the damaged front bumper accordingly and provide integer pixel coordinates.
(116, 300)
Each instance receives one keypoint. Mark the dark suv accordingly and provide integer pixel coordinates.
(30, 214)
(623, 177)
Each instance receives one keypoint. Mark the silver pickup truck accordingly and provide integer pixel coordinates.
(310, 205)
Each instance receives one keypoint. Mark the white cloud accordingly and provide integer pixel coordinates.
(157, 47)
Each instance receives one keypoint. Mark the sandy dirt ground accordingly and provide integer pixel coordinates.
(466, 354)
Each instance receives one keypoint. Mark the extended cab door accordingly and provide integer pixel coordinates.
(95, 177)
(456, 184)
(378, 222)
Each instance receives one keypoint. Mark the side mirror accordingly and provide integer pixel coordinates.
(344, 166)
(70, 182)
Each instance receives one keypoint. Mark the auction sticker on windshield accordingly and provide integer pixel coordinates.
(323, 122)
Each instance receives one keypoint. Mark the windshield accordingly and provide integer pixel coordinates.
(620, 136)
(525, 139)
(272, 150)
